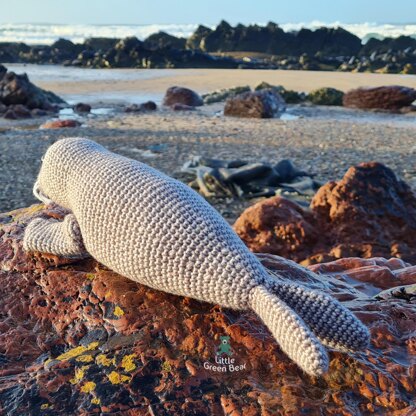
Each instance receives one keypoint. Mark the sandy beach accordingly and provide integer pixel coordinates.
(141, 84)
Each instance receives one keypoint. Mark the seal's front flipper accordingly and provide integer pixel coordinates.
(289, 330)
(330, 321)
(62, 238)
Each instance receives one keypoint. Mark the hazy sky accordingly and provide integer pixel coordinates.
(205, 11)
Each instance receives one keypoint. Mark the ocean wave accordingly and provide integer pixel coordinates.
(37, 34)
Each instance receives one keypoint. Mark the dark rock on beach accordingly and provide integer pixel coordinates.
(368, 213)
(181, 95)
(82, 108)
(77, 338)
(17, 89)
(265, 103)
(383, 98)
(139, 108)
(326, 96)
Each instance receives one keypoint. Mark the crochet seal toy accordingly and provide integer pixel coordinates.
(159, 232)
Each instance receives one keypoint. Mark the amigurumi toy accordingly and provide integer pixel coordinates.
(159, 232)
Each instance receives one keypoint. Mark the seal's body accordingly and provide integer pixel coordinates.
(159, 232)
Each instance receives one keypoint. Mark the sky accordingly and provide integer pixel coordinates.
(205, 11)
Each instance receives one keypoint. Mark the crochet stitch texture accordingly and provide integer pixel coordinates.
(159, 232)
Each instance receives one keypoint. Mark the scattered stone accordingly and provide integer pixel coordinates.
(137, 108)
(257, 104)
(290, 96)
(180, 95)
(223, 94)
(182, 107)
(326, 96)
(383, 98)
(37, 112)
(237, 178)
(77, 338)
(82, 108)
(60, 124)
(369, 213)
(21, 111)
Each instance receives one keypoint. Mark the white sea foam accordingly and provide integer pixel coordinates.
(48, 33)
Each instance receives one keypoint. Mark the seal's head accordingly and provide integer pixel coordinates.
(62, 158)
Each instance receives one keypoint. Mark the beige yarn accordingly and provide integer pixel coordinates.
(159, 232)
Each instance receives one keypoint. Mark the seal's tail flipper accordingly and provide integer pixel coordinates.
(62, 238)
(289, 330)
(330, 321)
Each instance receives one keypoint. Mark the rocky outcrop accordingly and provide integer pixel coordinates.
(265, 103)
(322, 49)
(383, 98)
(181, 95)
(18, 96)
(162, 40)
(77, 338)
(326, 96)
(368, 213)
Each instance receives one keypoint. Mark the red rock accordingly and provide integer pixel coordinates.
(386, 98)
(368, 213)
(76, 338)
(180, 95)
(264, 103)
(60, 124)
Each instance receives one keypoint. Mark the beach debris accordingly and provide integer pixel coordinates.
(383, 98)
(181, 95)
(265, 103)
(82, 108)
(237, 178)
(60, 124)
(143, 107)
(223, 94)
(368, 213)
(64, 350)
(326, 96)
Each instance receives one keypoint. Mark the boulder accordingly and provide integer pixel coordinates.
(17, 89)
(266, 103)
(326, 96)
(368, 213)
(181, 95)
(60, 124)
(82, 108)
(77, 338)
(384, 98)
